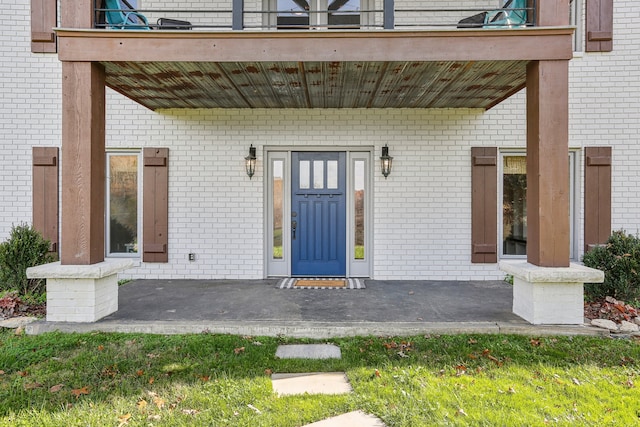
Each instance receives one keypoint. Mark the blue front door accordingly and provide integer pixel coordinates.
(318, 214)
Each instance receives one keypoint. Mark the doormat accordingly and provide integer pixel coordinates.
(331, 283)
(320, 283)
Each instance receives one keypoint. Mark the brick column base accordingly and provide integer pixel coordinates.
(80, 293)
(548, 295)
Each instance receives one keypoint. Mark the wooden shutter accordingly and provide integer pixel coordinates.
(599, 28)
(155, 207)
(597, 196)
(484, 205)
(44, 18)
(45, 193)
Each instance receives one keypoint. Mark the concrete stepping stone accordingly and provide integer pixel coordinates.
(308, 351)
(16, 322)
(311, 383)
(350, 419)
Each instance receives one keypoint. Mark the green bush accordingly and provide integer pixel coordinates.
(25, 248)
(620, 261)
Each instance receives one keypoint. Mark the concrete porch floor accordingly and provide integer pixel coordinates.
(258, 307)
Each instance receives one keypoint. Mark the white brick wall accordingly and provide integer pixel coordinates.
(29, 112)
(421, 212)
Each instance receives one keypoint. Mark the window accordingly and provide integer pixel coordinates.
(359, 178)
(123, 203)
(277, 187)
(514, 204)
(575, 19)
(316, 14)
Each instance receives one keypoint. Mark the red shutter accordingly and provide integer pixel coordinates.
(599, 31)
(155, 206)
(45, 193)
(597, 196)
(484, 205)
(44, 18)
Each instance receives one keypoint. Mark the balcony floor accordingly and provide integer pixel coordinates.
(347, 69)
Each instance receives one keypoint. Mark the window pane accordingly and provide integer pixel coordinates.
(123, 203)
(292, 14)
(358, 198)
(514, 205)
(305, 172)
(318, 174)
(344, 13)
(332, 174)
(278, 207)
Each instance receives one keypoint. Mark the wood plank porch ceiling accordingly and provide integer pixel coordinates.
(447, 84)
(316, 69)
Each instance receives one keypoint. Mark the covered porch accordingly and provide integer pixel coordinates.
(261, 308)
(472, 69)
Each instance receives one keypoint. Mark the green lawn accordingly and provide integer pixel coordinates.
(214, 380)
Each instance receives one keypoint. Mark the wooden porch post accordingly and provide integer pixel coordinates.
(548, 150)
(83, 163)
(548, 163)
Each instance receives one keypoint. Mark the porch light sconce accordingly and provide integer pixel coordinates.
(250, 161)
(385, 161)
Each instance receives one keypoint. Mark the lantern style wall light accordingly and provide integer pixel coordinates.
(250, 161)
(385, 161)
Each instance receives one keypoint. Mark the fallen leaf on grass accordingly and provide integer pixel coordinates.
(629, 383)
(238, 350)
(77, 392)
(124, 419)
(377, 373)
(268, 372)
(56, 388)
(1, 372)
(472, 341)
(151, 380)
(142, 405)
(401, 354)
(139, 373)
(100, 348)
(205, 378)
(461, 412)
(159, 402)
(190, 411)
(534, 342)
(32, 386)
(253, 408)
(23, 373)
(576, 381)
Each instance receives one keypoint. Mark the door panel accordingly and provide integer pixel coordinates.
(318, 214)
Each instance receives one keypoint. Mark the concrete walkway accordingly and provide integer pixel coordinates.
(258, 307)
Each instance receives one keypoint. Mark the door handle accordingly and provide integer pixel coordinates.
(294, 225)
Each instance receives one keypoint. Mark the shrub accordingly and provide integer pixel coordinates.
(25, 248)
(620, 261)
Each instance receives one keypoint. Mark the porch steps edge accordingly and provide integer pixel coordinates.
(317, 330)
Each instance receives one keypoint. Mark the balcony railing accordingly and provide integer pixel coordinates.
(514, 14)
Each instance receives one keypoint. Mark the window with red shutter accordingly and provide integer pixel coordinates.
(155, 207)
(45, 193)
(44, 18)
(599, 26)
(597, 196)
(484, 202)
